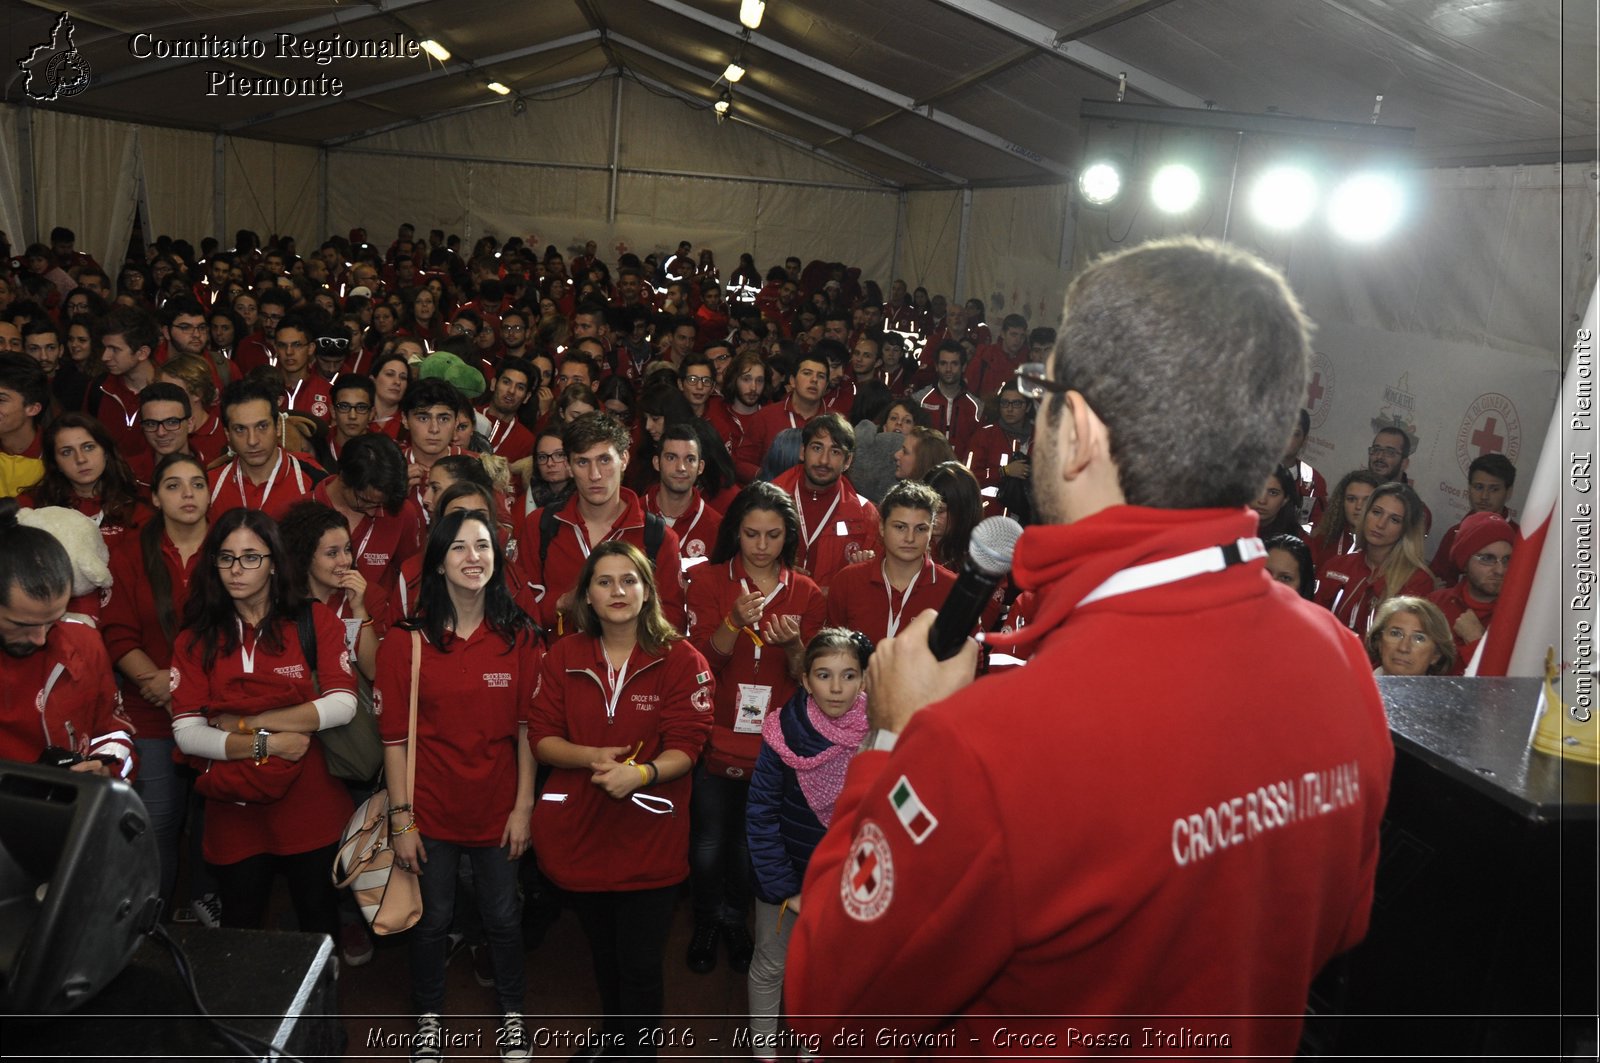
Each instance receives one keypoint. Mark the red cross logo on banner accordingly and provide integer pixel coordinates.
(1314, 392)
(1487, 440)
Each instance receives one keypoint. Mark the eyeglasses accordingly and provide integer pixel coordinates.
(1492, 560)
(1397, 634)
(334, 343)
(508, 329)
(1013, 404)
(352, 407)
(1386, 452)
(552, 457)
(246, 561)
(1033, 382)
(164, 424)
(697, 379)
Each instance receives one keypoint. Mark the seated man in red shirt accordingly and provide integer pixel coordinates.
(995, 363)
(262, 475)
(837, 526)
(513, 387)
(386, 524)
(1490, 479)
(804, 402)
(558, 542)
(305, 391)
(164, 417)
(677, 500)
(60, 695)
(431, 408)
(128, 337)
(952, 409)
(1482, 553)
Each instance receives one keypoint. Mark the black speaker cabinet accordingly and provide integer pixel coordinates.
(80, 883)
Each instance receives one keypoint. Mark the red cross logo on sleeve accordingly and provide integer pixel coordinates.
(867, 884)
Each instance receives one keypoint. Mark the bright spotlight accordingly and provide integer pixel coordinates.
(437, 50)
(750, 12)
(722, 105)
(1365, 207)
(1099, 183)
(496, 87)
(733, 73)
(1175, 188)
(1284, 197)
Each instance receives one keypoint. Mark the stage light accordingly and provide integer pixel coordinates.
(1283, 197)
(1365, 207)
(1175, 188)
(437, 50)
(733, 73)
(1100, 183)
(495, 86)
(721, 106)
(750, 12)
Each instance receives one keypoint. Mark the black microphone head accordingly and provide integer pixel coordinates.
(994, 540)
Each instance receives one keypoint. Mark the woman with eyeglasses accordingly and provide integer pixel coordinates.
(1387, 561)
(84, 471)
(247, 703)
(1409, 636)
(150, 577)
(621, 713)
(474, 769)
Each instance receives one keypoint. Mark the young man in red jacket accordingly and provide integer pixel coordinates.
(1224, 864)
(1481, 552)
(837, 526)
(600, 509)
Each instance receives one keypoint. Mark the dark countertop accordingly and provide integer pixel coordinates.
(1477, 730)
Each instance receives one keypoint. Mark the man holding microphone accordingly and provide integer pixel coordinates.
(1136, 825)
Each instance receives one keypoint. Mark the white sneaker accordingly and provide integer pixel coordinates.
(514, 1037)
(429, 1042)
(207, 910)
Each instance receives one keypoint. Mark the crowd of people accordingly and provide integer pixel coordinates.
(626, 534)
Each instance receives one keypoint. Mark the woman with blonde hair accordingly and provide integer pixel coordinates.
(1387, 560)
(924, 450)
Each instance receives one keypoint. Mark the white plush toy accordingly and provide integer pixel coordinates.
(85, 547)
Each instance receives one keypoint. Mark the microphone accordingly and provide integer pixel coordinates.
(988, 562)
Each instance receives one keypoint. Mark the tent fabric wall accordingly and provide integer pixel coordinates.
(272, 188)
(86, 178)
(553, 186)
(928, 244)
(179, 183)
(11, 219)
(1013, 250)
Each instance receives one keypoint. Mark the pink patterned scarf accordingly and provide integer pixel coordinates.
(821, 776)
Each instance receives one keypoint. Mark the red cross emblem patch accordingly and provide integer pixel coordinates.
(867, 883)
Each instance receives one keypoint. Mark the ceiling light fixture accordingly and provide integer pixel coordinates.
(1100, 183)
(495, 86)
(750, 12)
(1175, 188)
(437, 50)
(722, 105)
(733, 73)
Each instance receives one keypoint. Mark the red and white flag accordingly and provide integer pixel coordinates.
(1548, 597)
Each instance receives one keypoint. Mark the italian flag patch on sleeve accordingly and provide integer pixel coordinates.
(702, 679)
(914, 815)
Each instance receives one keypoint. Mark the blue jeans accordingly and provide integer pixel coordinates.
(165, 794)
(495, 878)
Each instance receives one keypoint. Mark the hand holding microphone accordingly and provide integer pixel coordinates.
(932, 657)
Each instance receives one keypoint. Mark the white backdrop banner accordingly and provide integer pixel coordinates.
(1455, 400)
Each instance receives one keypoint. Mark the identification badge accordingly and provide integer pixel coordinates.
(753, 701)
(352, 632)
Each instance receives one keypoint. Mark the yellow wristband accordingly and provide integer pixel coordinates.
(244, 726)
(644, 775)
(729, 626)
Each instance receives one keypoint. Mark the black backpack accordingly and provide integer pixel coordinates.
(655, 533)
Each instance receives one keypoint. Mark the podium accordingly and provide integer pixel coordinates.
(1484, 921)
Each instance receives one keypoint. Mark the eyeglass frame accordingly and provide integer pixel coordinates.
(1034, 382)
(226, 561)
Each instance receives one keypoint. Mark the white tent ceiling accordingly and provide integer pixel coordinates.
(917, 93)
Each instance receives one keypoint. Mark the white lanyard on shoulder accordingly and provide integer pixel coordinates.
(266, 494)
(810, 537)
(895, 615)
(44, 696)
(1173, 569)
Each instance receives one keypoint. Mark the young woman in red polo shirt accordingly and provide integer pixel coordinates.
(474, 771)
(621, 713)
(750, 615)
(246, 704)
(84, 471)
(1387, 560)
(150, 576)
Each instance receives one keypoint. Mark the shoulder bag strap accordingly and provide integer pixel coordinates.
(411, 736)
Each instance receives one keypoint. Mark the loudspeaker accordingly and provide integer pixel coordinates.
(80, 884)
